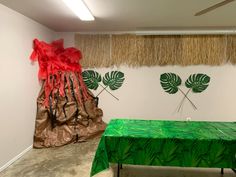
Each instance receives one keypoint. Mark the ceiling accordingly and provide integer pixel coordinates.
(128, 15)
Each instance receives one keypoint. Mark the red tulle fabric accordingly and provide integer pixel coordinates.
(54, 62)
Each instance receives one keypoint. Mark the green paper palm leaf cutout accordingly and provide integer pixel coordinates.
(197, 82)
(91, 79)
(170, 82)
(113, 79)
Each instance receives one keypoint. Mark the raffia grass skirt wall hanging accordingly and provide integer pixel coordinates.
(136, 50)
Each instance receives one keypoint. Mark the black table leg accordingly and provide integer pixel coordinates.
(118, 169)
(234, 170)
(222, 171)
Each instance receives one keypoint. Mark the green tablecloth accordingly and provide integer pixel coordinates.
(167, 143)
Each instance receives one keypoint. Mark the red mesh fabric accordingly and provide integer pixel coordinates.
(54, 61)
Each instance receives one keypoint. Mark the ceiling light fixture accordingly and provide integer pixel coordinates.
(80, 9)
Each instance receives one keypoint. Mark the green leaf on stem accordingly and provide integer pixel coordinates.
(197, 82)
(113, 79)
(170, 82)
(91, 79)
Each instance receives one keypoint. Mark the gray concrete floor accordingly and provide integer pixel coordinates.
(75, 160)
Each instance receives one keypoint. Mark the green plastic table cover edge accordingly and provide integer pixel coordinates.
(166, 143)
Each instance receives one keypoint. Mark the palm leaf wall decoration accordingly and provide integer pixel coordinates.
(197, 82)
(91, 79)
(113, 79)
(170, 82)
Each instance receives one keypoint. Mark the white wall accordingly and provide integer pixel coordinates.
(19, 84)
(142, 96)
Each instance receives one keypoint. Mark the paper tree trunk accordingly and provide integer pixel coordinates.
(66, 111)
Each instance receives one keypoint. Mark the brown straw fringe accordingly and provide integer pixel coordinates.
(136, 50)
(95, 50)
(231, 49)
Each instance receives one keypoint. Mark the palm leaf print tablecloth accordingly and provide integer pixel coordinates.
(167, 143)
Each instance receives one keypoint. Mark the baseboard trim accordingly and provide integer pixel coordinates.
(15, 158)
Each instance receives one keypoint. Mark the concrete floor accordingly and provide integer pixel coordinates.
(75, 160)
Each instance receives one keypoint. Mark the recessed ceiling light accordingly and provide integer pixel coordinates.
(80, 9)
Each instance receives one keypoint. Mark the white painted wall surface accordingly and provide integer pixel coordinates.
(142, 96)
(19, 85)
